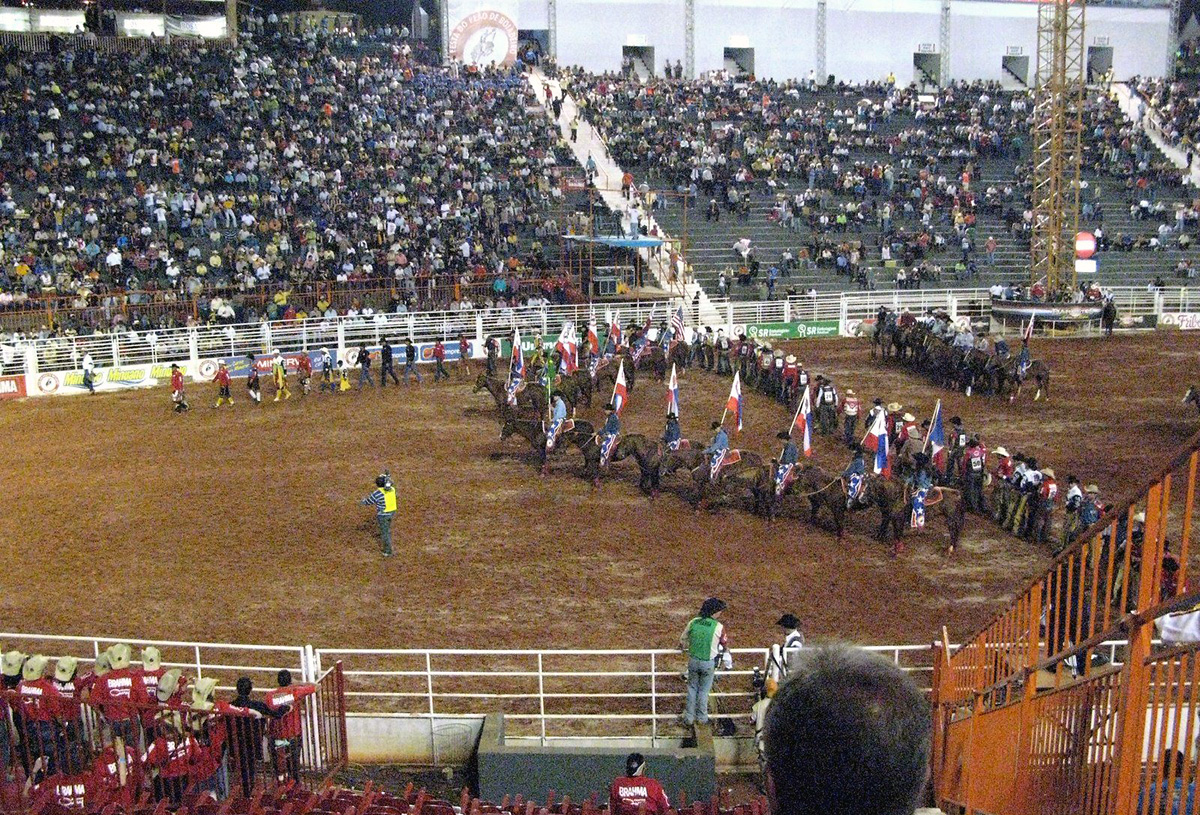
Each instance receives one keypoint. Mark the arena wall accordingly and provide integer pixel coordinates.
(865, 39)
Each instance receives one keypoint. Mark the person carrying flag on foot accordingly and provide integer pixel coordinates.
(305, 374)
(222, 381)
(279, 374)
(558, 415)
(788, 457)
(920, 481)
(253, 385)
(177, 396)
(716, 450)
(609, 434)
(327, 367)
(855, 476)
(672, 436)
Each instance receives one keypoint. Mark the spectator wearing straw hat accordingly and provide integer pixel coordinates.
(39, 700)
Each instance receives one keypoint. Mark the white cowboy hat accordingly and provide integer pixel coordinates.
(1140, 518)
(1000, 451)
(849, 392)
(791, 359)
(908, 417)
(1047, 471)
(894, 407)
(1092, 489)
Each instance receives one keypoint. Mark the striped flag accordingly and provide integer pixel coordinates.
(673, 395)
(568, 347)
(516, 368)
(614, 330)
(593, 336)
(677, 323)
(620, 392)
(734, 403)
(877, 440)
(937, 438)
(803, 422)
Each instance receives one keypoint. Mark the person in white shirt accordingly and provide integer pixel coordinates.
(89, 372)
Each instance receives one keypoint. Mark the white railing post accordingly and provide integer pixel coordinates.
(1158, 302)
(787, 310)
(429, 693)
(843, 315)
(116, 351)
(478, 330)
(341, 340)
(952, 305)
(653, 700)
(729, 314)
(193, 346)
(31, 363)
(541, 698)
(199, 674)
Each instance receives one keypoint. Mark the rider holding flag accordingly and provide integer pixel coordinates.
(609, 433)
(855, 476)
(787, 462)
(558, 416)
(672, 435)
(717, 450)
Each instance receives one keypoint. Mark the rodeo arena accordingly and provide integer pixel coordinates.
(599, 407)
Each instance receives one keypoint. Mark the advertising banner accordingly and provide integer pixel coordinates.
(59, 383)
(12, 387)
(483, 32)
(792, 331)
(1181, 320)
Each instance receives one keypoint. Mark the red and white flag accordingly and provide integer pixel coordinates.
(620, 392)
(734, 403)
(803, 422)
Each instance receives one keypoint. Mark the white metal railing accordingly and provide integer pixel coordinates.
(556, 694)
(181, 344)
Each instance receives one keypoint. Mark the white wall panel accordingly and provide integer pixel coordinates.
(533, 14)
(980, 33)
(781, 32)
(868, 38)
(1138, 37)
(592, 32)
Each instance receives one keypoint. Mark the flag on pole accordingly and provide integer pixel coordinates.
(677, 324)
(620, 392)
(614, 331)
(937, 438)
(568, 347)
(673, 395)
(516, 368)
(877, 440)
(593, 335)
(802, 424)
(734, 403)
(1028, 332)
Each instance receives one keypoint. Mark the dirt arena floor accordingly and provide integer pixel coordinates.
(243, 524)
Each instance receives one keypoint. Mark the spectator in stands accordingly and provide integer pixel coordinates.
(285, 731)
(635, 793)
(704, 641)
(248, 732)
(847, 733)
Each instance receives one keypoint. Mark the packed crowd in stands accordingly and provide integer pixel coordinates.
(283, 163)
(876, 174)
(1174, 108)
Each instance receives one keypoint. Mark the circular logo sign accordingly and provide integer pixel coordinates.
(483, 38)
(47, 383)
(207, 369)
(1085, 245)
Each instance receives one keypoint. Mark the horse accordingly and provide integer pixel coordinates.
(822, 489)
(533, 397)
(893, 499)
(607, 377)
(1193, 396)
(577, 387)
(661, 362)
(1037, 370)
(532, 431)
(649, 456)
(705, 485)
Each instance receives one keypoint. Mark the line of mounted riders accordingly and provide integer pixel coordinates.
(742, 475)
(953, 357)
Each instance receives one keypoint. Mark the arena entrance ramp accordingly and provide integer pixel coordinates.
(1042, 712)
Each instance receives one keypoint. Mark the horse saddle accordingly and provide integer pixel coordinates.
(731, 457)
(567, 426)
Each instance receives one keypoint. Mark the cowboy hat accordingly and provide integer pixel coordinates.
(894, 407)
(783, 434)
(1140, 517)
(34, 668)
(1000, 451)
(120, 655)
(65, 668)
(791, 359)
(151, 658)
(908, 417)
(1048, 472)
(12, 662)
(849, 392)
(1092, 489)
(168, 683)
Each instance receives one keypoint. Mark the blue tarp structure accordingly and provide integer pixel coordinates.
(617, 241)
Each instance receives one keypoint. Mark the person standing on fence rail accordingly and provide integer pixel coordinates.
(704, 641)
(384, 501)
(635, 793)
(286, 732)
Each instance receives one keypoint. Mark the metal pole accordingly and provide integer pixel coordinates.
(653, 700)
(429, 693)
(541, 699)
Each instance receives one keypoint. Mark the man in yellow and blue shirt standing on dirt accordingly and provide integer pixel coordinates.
(384, 501)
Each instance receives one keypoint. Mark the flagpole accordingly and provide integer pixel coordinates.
(936, 410)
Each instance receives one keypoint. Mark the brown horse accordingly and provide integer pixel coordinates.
(648, 454)
(1007, 375)
(606, 377)
(823, 489)
(580, 436)
(893, 499)
(662, 362)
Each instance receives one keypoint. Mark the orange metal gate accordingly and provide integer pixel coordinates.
(1031, 719)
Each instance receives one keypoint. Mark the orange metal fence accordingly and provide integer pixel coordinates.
(1031, 717)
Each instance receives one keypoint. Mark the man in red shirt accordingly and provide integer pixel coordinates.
(222, 380)
(40, 703)
(974, 468)
(115, 692)
(464, 357)
(305, 372)
(439, 356)
(286, 732)
(145, 684)
(631, 792)
(106, 782)
(177, 389)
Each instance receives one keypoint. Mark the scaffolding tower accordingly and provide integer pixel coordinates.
(1057, 141)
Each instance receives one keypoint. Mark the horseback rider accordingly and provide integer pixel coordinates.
(855, 476)
(558, 416)
(609, 433)
(920, 481)
(538, 358)
(1023, 359)
(492, 346)
(671, 434)
(1001, 349)
(610, 346)
(709, 360)
(788, 457)
(716, 450)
